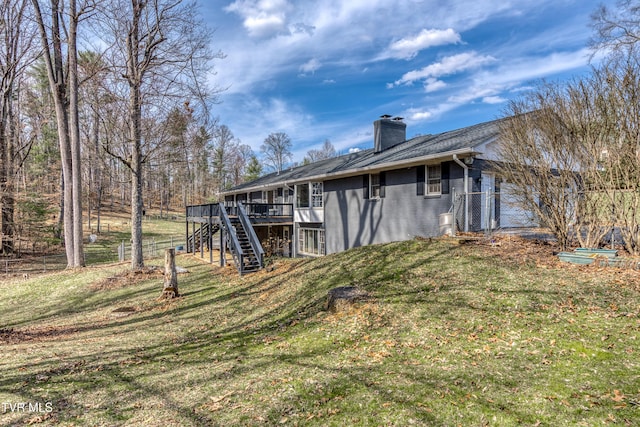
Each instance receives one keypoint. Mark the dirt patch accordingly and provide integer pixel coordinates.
(520, 250)
(127, 278)
(123, 311)
(44, 333)
(543, 254)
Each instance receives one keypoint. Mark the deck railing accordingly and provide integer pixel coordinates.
(203, 211)
(258, 212)
(232, 239)
(267, 211)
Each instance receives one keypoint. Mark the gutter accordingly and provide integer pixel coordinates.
(466, 190)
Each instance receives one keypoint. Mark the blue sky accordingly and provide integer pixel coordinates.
(320, 70)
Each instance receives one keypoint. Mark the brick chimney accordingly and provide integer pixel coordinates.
(388, 132)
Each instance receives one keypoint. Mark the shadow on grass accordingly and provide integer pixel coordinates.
(237, 313)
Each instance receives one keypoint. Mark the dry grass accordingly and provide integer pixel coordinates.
(479, 334)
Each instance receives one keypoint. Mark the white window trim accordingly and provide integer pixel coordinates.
(428, 181)
(321, 247)
(296, 196)
(371, 186)
(313, 187)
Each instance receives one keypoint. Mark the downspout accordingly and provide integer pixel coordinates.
(466, 190)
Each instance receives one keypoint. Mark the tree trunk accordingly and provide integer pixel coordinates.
(170, 288)
(135, 74)
(7, 201)
(55, 74)
(96, 164)
(74, 139)
(135, 113)
(5, 185)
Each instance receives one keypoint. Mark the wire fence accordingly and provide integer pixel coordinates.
(488, 212)
(31, 264)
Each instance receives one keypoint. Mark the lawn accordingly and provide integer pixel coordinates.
(470, 335)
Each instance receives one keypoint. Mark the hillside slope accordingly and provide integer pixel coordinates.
(454, 335)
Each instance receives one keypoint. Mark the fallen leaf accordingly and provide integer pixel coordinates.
(617, 396)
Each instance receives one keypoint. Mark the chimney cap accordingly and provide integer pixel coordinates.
(385, 116)
(398, 118)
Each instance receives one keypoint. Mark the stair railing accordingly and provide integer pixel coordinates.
(251, 233)
(232, 240)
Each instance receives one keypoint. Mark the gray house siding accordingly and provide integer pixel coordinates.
(351, 220)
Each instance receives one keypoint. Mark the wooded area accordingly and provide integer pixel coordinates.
(104, 105)
(108, 105)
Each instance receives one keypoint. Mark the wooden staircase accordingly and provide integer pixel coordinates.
(237, 235)
(201, 235)
(251, 261)
(241, 240)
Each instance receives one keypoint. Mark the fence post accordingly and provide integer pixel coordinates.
(487, 213)
(454, 220)
(121, 254)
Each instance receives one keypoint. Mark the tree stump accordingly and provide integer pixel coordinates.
(170, 289)
(338, 299)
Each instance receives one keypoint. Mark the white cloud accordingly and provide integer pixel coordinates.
(514, 75)
(262, 18)
(265, 25)
(269, 43)
(433, 85)
(419, 115)
(311, 66)
(447, 66)
(493, 100)
(354, 150)
(409, 47)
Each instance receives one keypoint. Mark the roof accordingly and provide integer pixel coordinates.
(413, 151)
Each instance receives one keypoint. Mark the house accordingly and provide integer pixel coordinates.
(397, 190)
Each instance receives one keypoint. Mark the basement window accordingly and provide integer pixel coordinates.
(311, 241)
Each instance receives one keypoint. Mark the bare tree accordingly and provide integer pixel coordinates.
(276, 150)
(240, 158)
(572, 151)
(327, 151)
(63, 82)
(610, 109)
(539, 160)
(617, 30)
(95, 98)
(16, 53)
(158, 48)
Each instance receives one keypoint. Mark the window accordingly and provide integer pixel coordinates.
(434, 180)
(288, 195)
(311, 241)
(375, 186)
(302, 196)
(316, 194)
